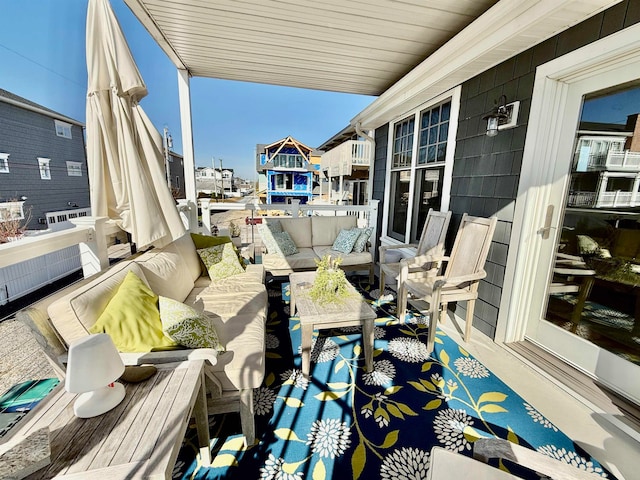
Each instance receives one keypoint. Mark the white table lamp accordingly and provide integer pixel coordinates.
(93, 367)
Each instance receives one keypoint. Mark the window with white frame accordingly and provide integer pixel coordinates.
(63, 129)
(11, 211)
(4, 163)
(420, 144)
(74, 169)
(43, 165)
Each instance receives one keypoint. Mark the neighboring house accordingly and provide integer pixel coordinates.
(43, 164)
(215, 181)
(607, 166)
(432, 150)
(288, 170)
(176, 175)
(345, 163)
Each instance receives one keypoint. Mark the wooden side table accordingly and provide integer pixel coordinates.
(140, 438)
(353, 311)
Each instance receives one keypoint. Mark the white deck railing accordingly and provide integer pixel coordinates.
(90, 236)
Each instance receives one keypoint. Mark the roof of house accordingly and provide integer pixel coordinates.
(13, 99)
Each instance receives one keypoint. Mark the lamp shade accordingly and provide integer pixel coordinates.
(94, 365)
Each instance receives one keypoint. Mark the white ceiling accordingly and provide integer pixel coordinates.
(348, 46)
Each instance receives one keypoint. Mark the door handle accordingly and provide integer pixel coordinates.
(546, 229)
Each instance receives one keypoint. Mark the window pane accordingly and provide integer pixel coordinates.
(445, 112)
(399, 204)
(403, 143)
(435, 116)
(428, 195)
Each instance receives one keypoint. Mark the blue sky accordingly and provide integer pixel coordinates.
(42, 54)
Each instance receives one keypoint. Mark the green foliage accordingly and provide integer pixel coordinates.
(330, 285)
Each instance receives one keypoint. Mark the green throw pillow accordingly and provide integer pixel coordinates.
(205, 241)
(221, 261)
(285, 243)
(363, 238)
(268, 239)
(186, 326)
(345, 240)
(132, 319)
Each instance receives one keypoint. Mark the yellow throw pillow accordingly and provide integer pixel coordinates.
(132, 318)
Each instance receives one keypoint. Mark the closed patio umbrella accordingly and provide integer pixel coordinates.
(124, 149)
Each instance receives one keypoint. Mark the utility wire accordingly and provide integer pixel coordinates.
(41, 65)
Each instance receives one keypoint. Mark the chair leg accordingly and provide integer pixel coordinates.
(401, 302)
(247, 420)
(371, 274)
(468, 323)
(433, 325)
(381, 281)
(443, 312)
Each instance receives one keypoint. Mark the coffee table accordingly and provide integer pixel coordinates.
(139, 438)
(353, 311)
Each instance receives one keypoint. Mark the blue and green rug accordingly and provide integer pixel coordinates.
(345, 422)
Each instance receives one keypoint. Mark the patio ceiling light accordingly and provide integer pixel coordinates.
(502, 116)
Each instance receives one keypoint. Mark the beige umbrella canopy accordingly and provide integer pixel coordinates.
(124, 149)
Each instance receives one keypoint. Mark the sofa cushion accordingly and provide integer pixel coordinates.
(348, 259)
(299, 229)
(167, 273)
(229, 299)
(242, 364)
(221, 261)
(305, 259)
(345, 240)
(187, 250)
(132, 318)
(186, 326)
(324, 230)
(75, 313)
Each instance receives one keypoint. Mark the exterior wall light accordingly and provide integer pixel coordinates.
(504, 115)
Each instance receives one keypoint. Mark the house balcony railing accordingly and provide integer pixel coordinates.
(617, 199)
(626, 161)
(339, 161)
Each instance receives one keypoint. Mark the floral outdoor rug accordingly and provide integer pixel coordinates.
(344, 422)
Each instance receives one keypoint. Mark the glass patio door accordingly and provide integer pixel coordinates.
(590, 315)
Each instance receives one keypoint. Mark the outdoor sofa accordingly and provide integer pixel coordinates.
(237, 306)
(312, 238)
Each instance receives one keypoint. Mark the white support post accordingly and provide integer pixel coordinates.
(205, 208)
(184, 95)
(93, 253)
(373, 223)
(295, 207)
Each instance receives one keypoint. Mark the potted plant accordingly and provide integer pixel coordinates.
(330, 284)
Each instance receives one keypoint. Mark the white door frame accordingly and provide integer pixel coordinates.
(551, 131)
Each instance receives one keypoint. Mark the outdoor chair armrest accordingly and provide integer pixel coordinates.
(421, 260)
(441, 282)
(383, 249)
